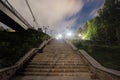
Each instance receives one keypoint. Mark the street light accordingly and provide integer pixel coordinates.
(83, 37)
(69, 34)
(59, 36)
(79, 35)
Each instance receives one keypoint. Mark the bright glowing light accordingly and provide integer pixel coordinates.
(59, 36)
(83, 37)
(79, 35)
(69, 34)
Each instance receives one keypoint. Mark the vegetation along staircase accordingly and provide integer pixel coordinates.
(57, 61)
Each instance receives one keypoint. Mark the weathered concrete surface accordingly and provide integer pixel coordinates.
(57, 62)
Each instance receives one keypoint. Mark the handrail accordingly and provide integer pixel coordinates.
(26, 57)
(6, 73)
(97, 65)
(101, 72)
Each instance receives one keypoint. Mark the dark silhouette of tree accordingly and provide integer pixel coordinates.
(106, 26)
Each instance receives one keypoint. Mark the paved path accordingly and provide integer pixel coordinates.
(57, 62)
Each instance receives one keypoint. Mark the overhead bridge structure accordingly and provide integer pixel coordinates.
(10, 17)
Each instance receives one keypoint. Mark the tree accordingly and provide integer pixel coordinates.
(106, 26)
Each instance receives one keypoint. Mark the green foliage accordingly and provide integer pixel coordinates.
(108, 56)
(15, 45)
(103, 36)
(92, 30)
(106, 26)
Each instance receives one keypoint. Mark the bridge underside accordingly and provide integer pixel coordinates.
(10, 22)
(11, 17)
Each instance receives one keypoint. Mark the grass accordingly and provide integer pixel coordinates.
(14, 45)
(107, 55)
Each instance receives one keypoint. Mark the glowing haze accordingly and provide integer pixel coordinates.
(57, 14)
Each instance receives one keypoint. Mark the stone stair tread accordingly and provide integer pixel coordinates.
(57, 74)
(56, 70)
(52, 78)
(37, 63)
(52, 59)
(61, 67)
(62, 62)
(54, 65)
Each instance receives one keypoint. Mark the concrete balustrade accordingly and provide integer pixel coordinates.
(6, 73)
(99, 71)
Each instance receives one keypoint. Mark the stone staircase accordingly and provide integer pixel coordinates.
(58, 61)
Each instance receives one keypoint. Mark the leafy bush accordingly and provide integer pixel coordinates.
(14, 45)
(108, 56)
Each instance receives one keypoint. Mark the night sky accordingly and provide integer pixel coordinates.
(59, 15)
(88, 12)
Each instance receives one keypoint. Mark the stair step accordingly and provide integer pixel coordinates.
(55, 66)
(55, 58)
(52, 78)
(55, 70)
(58, 67)
(39, 61)
(56, 74)
(65, 64)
